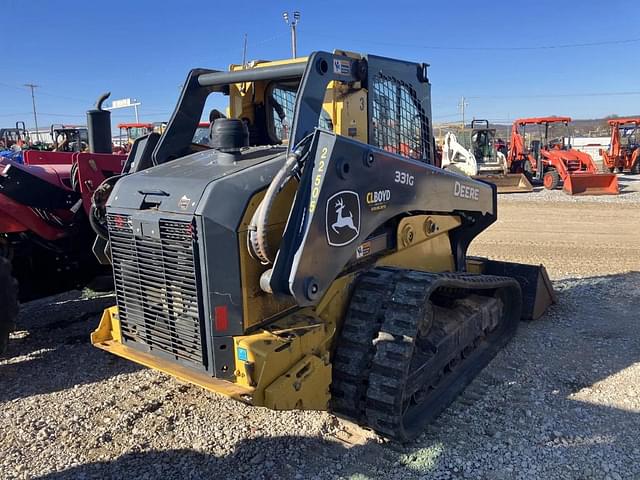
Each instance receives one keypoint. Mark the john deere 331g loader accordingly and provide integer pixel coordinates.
(311, 257)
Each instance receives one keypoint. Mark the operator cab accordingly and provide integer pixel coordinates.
(69, 138)
(13, 136)
(545, 135)
(483, 143)
(263, 95)
(629, 136)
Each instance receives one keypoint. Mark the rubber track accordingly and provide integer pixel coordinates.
(376, 364)
(354, 353)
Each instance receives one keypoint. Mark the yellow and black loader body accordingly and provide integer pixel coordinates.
(313, 257)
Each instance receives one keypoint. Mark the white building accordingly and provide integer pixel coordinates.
(592, 146)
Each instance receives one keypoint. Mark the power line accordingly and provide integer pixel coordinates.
(447, 115)
(547, 95)
(46, 93)
(11, 86)
(495, 48)
(14, 114)
(64, 97)
(267, 40)
(560, 95)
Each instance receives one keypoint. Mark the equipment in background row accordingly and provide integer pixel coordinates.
(45, 234)
(546, 156)
(538, 153)
(479, 157)
(624, 150)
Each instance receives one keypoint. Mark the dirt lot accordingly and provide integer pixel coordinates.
(561, 401)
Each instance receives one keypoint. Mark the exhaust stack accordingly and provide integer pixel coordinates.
(99, 127)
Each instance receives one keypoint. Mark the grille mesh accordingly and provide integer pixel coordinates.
(399, 122)
(156, 288)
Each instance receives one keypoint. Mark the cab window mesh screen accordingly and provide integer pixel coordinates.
(283, 102)
(399, 123)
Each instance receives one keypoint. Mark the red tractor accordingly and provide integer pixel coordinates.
(45, 221)
(624, 151)
(541, 149)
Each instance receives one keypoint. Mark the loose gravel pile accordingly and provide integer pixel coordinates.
(561, 401)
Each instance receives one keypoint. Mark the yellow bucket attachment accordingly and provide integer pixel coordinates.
(509, 183)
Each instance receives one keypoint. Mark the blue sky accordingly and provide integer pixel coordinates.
(487, 51)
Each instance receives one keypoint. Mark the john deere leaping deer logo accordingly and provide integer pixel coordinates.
(343, 218)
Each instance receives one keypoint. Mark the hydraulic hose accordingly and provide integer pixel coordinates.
(97, 226)
(257, 241)
(257, 229)
(97, 211)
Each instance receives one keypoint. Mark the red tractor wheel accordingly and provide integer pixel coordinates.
(8, 302)
(551, 180)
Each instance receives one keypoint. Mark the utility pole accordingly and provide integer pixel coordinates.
(244, 52)
(462, 105)
(293, 24)
(33, 102)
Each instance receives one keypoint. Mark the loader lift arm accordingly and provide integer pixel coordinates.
(312, 253)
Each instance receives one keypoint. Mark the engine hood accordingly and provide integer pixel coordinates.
(177, 186)
(565, 155)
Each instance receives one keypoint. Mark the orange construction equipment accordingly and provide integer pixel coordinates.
(133, 131)
(624, 150)
(544, 154)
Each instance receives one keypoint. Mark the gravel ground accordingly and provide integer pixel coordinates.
(629, 194)
(561, 401)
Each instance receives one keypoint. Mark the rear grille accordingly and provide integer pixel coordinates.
(156, 288)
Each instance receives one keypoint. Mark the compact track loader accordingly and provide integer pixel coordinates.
(476, 154)
(311, 256)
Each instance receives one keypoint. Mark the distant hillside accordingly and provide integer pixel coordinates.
(593, 127)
